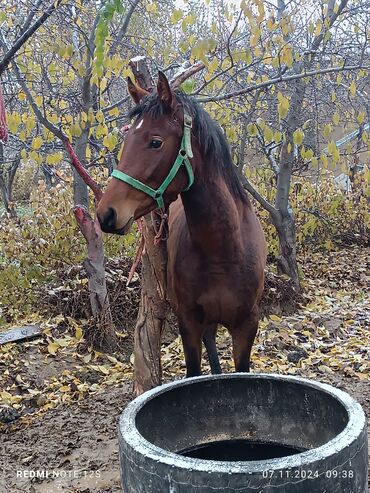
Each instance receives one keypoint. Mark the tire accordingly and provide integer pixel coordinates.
(324, 422)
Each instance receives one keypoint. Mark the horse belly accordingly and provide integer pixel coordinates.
(220, 304)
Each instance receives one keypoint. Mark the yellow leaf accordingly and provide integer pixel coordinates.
(87, 358)
(52, 347)
(336, 118)
(308, 154)
(110, 141)
(100, 116)
(327, 130)
(103, 84)
(213, 65)
(112, 359)
(114, 112)
(78, 332)
(101, 130)
(30, 122)
(283, 105)
(327, 36)
(252, 129)
(275, 318)
(318, 28)
(37, 143)
(176, 16)
(361, 117)
(103, 369)
(332, 147)
(75, 129)
(298, 137)
(151, 7)
(278, 136)
(268, 134)
(352, 88)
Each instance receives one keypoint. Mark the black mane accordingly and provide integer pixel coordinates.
(209, 134)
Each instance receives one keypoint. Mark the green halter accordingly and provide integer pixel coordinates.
(183, 156)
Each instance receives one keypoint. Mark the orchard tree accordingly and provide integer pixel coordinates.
(280, 79)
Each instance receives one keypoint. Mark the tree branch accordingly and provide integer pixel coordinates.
(125, 24)
(27, 34)
(180, 78)
(261, 200)
(276, 80)
(90, 182)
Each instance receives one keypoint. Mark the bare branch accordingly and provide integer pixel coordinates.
(270, 82)
(27, 34)
(261, 200)
(189, 72)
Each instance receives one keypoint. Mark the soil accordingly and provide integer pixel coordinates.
(78, 442)
(69, 398)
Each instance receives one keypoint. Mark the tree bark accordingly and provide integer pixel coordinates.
(152, 310)
(287, 260)
(80, 191)
(153, 304)
(6, 183)
(104, 337)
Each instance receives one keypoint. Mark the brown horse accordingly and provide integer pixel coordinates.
(216, 247)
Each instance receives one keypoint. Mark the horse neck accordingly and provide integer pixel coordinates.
(212, 212)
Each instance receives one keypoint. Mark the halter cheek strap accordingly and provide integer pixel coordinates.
(185, 153)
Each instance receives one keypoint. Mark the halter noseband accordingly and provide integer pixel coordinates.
(182, 159)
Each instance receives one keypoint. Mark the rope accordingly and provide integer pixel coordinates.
(161, 233)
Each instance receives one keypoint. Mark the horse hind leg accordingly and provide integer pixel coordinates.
(209, 340)
(243, 337)
(192, 344)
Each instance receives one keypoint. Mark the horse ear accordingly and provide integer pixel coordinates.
(136, 92)
(163, 89)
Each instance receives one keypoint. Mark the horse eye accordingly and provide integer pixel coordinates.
(155, 144)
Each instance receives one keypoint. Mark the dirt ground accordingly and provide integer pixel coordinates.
(79, 443)
(68, 398)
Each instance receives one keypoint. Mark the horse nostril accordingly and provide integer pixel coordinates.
(108, 221)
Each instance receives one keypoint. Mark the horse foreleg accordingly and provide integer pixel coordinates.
(192, 343)
(243, 338)
(209, 339)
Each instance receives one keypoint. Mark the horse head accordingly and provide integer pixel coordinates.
(154, 167)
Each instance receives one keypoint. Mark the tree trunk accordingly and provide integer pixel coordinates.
(5, 198)
(47, 176)
(152, 310)
(6, 183)
(103, 336)
(80, 190)
(153, 304)
(287, 260)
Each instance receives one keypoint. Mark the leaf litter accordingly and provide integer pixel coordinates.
(327, 338)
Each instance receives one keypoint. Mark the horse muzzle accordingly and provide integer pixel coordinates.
(108, 223)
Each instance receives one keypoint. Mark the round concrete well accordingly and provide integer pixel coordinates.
(243, 433)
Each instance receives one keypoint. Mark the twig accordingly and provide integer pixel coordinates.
(27, 34)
